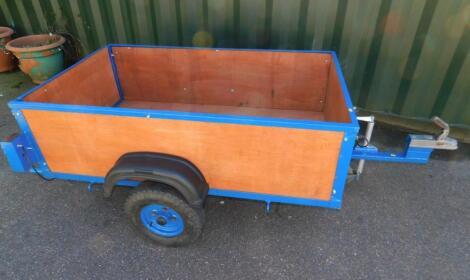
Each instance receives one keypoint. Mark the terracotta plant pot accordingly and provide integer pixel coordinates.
(41, 56)
(7, 60)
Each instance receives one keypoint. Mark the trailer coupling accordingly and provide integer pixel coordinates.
(417, 150)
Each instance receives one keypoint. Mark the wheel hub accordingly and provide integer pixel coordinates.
(162, 220)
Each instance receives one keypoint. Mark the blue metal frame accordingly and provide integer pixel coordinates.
(116, 75)
(349, 140)
(349, 130)
(29, 144)
(409, 155)
(15, 152)
(189, 116)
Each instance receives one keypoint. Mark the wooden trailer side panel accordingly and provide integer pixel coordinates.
(91, 82)
(258, 79)
(335, 107)
(268, 160)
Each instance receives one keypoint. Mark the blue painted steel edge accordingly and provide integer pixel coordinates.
(116, 75)
(222, 49)
(349, 140)
(409, 155)
(214, 192)
(190, 116)
(335, 204)
(344, 88)
(344, 160)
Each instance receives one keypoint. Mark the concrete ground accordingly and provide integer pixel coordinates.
(397, 222)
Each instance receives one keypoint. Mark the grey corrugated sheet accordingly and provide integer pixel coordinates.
(404, 57)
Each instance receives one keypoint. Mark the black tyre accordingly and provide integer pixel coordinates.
(164, 217)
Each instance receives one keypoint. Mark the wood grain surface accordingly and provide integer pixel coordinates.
(258, 79)
(269, 160)
(89, 83)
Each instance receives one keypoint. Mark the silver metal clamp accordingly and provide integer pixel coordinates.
(442, 141)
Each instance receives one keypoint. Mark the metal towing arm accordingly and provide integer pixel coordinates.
(417, 150)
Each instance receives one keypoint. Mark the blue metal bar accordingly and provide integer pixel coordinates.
(91, 179)
(222, 49)
(276, 198)
(213, 192)
(344, 161)
(191, 116)
(116, 75)
(349, 139)
(345, 91)
(410, 155)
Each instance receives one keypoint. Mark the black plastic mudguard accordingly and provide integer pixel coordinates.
(174, 171)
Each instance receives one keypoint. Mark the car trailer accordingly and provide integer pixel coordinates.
(179, 124)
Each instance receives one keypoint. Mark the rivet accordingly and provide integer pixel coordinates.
(350, 110)
(185, 89)
(232, 90)
(148, 116)
(334, 191)
(345, 139)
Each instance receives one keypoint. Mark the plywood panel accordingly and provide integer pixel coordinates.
(89, 83)
(270, 160)
(261, 79)
(228, 110)
(335, 107)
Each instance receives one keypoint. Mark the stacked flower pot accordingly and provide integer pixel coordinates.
(39, 56)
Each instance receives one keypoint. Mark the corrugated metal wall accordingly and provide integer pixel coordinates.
(402, 56)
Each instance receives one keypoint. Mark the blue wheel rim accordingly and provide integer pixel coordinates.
(161, 220)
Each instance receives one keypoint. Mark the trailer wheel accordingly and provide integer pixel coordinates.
(164, 217)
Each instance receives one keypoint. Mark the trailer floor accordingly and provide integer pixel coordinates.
(398, 222)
